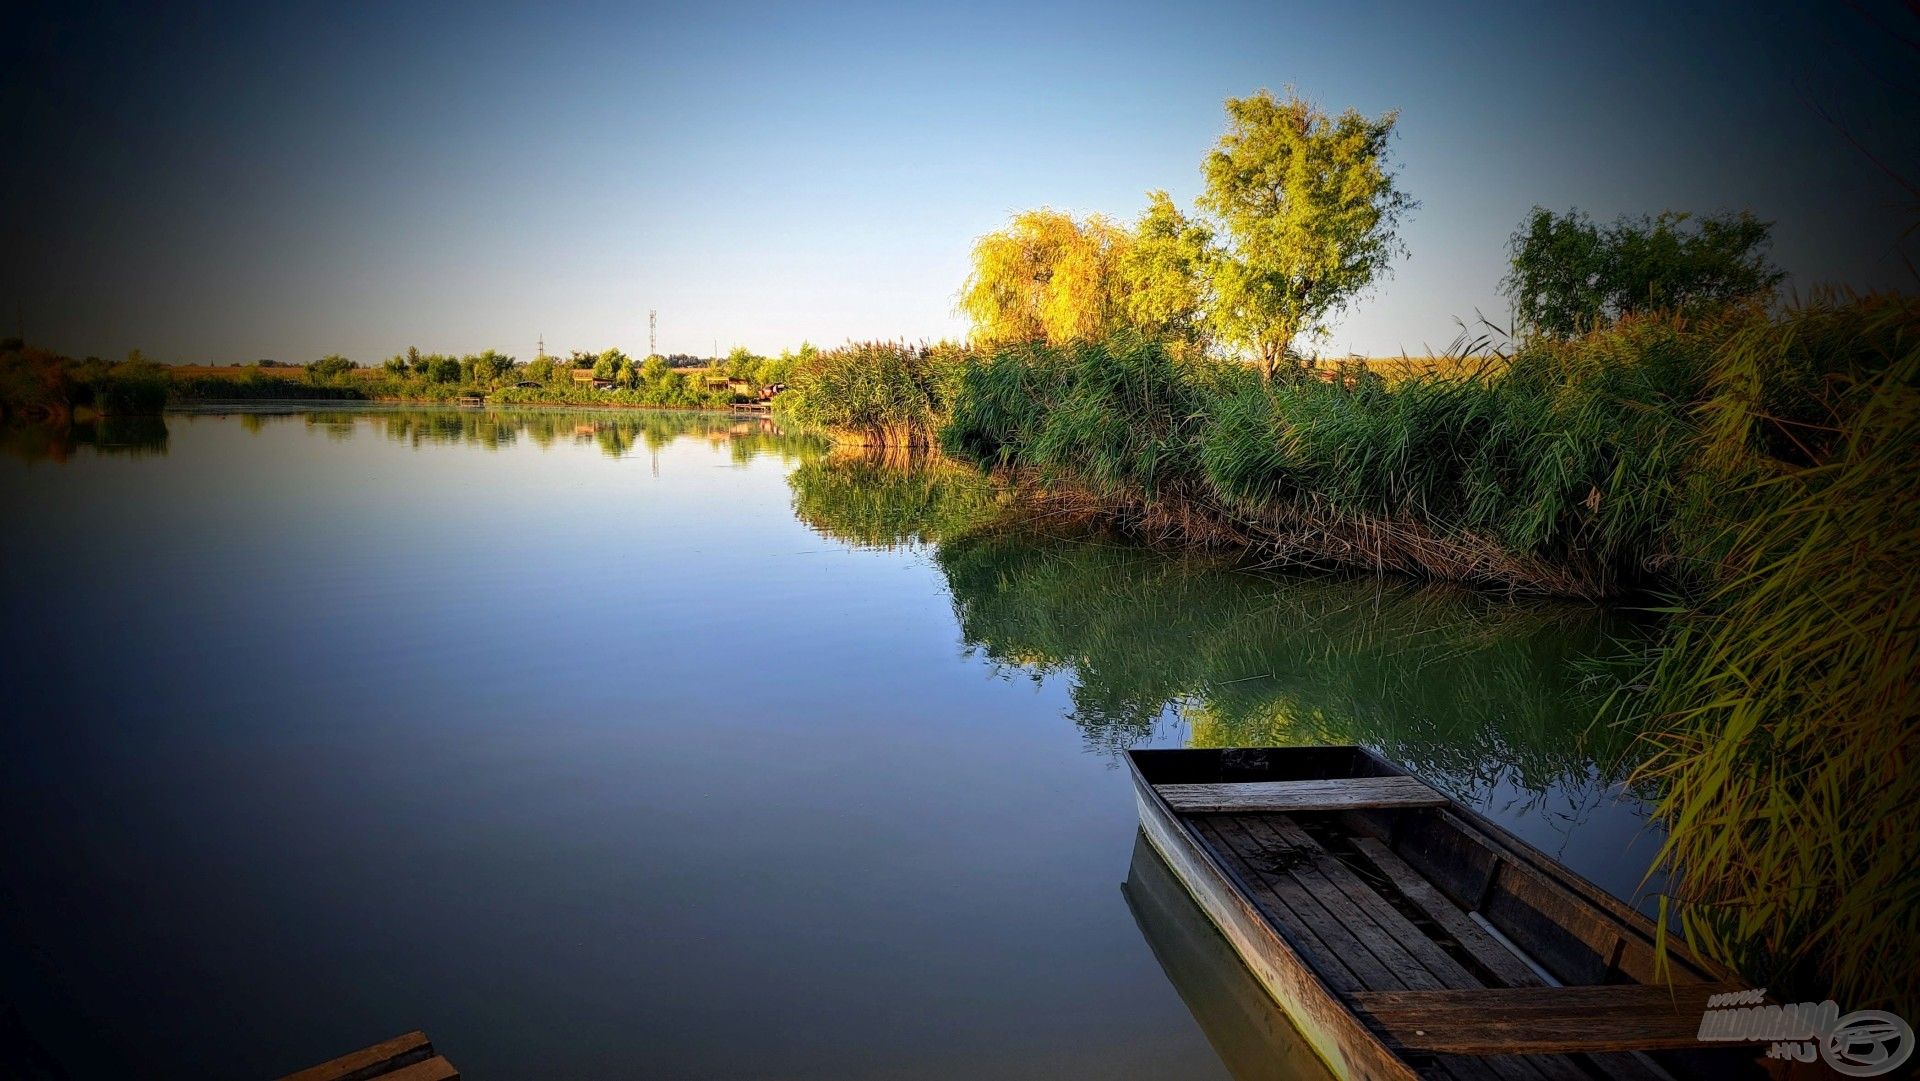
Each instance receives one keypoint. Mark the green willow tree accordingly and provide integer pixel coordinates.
(1047, 277)
(1309, 214)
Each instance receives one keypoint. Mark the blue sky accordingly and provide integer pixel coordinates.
(236, 184)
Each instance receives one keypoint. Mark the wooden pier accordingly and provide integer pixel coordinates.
(404, 1058)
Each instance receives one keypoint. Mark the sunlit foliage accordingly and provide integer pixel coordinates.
(1309, 215)
(879, 394)
(1166, 274)
(1047, 277)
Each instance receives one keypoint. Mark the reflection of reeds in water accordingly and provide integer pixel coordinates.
(617, 433)
(1469, 690)
(1248, 1031)
(119, 436)
(891, 497)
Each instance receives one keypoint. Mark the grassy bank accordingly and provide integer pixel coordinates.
(39, 385)
(874, 394)
(1552, 475)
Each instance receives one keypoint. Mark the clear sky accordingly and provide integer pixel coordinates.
(231, 184)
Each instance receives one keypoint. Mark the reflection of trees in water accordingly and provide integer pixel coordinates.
(616, 433)
(1466, 688)
(132, 437)
(889, 498)
(1470, 689)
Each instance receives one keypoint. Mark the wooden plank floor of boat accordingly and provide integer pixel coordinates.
(404, 1058)
(1413, 963)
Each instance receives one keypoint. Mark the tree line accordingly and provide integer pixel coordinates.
(1299, 217)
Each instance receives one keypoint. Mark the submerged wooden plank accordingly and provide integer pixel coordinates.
(1340, 794)
(370, 1062)
(1540, 1020)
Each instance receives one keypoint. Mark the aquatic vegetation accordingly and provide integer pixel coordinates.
(1781, 697)
(1552, 473)
(877, 394)
(38, 384)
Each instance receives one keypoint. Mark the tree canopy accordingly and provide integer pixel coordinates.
(1166, 273)
(1300, 215)
(1047, 277)
(1309, 214)
(1570, 274)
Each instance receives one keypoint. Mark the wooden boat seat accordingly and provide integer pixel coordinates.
(1540, 1020)
(1345, 794)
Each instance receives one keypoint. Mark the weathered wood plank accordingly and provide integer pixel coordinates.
(1507, 969)
(433, 1069)
(1341, 794)
(1540, 1020)
(1367, 904)
(370, 1062)
(1320, 1012)
(1323, 942)
(1414, 945)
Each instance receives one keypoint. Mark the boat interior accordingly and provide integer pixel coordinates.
(1469, 953)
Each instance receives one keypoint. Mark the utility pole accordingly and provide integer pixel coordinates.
(543, 347)
(653, 326)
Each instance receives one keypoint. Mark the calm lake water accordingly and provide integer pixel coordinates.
(666, 745)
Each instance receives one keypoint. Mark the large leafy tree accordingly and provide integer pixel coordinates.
(1570, 274)
(1047, 277)
(1166, 273)
(1309, 215)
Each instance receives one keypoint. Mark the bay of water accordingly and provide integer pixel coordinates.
(666, 745)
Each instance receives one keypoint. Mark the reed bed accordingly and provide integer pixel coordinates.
(1554, 475)
(1781, 701)
(875, 394)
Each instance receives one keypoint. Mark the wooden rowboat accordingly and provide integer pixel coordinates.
(1407, 937)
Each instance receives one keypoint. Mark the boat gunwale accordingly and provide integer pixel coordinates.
(1333, 1051)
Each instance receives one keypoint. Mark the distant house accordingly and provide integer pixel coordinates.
(602, 384)
(583, 375)
(527, 383)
